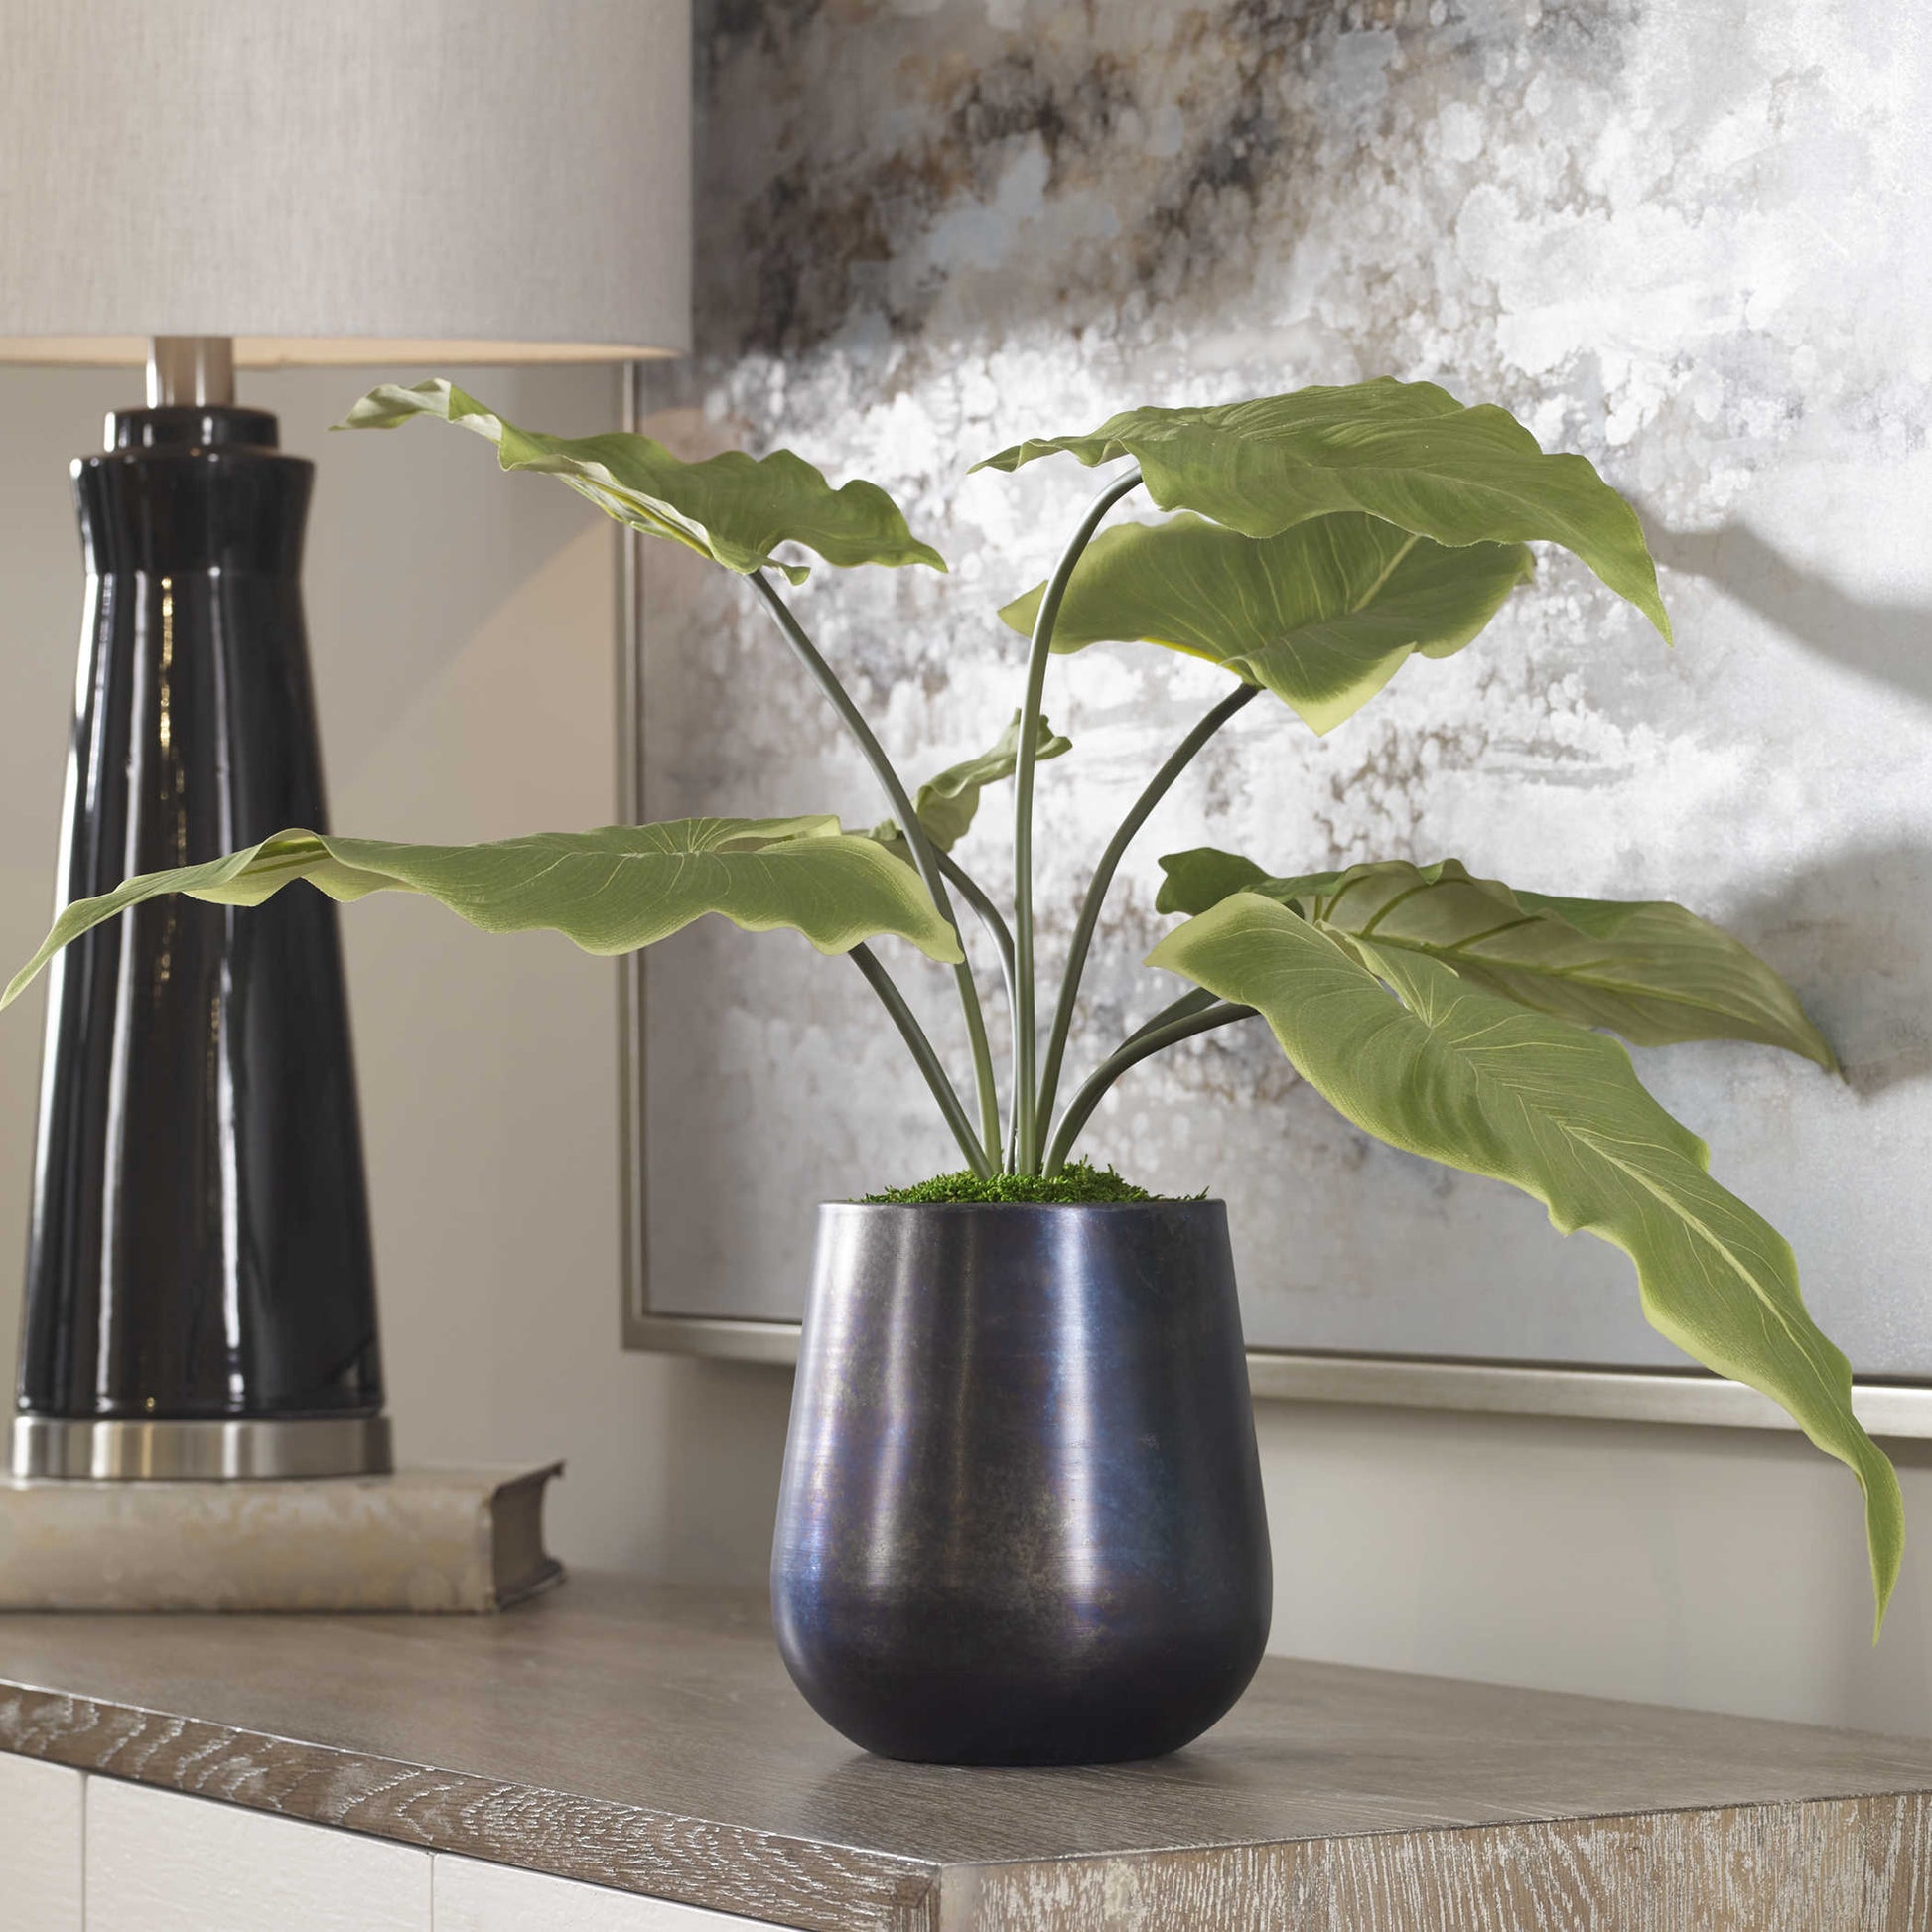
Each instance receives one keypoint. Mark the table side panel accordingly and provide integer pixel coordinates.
(1826, 1866)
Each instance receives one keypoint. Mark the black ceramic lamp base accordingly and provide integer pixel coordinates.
(200, 1296)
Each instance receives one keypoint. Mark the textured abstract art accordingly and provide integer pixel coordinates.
(1685, 239)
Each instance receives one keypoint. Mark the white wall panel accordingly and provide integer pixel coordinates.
(475, 1898)
(39, 1847)
(161, 1862)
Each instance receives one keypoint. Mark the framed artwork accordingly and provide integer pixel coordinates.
(753, 1080)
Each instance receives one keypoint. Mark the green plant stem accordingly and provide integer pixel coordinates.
(920, 1047)
(1151, 1040)
(1103, 878)
(1001, 935)
(1025, 1136)
(988, 916)
(923, 854)
(1184, 1008)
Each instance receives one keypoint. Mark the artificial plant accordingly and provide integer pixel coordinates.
(1318, 540)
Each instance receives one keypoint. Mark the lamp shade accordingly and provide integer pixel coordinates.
(355, 181)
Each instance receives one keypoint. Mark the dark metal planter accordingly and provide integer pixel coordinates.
(1021, 1519)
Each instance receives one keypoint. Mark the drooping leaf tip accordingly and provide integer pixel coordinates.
(386, 406)
(366, 416)
(1884, 1533)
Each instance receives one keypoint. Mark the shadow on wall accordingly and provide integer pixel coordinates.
(1854, 931)
(1890, 643)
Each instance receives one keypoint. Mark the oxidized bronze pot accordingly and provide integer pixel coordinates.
(1021, 1517)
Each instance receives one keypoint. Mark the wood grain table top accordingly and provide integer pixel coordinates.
(648, 1739)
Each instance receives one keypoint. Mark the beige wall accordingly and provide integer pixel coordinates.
(462, 641)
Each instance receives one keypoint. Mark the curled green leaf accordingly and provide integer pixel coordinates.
(734, 508)
(1204, 876)
(1406, 452)
(948, 803)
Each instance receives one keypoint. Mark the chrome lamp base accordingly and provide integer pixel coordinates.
(201, 1451)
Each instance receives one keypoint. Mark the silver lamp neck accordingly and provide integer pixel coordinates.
(187, 371)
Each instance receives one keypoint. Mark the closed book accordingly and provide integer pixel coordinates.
(422, 1540)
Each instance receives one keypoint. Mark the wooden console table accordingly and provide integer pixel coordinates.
(545, 1768)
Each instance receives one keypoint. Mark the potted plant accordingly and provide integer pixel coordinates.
(1021, 1516)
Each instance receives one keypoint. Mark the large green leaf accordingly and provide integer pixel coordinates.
(611, 891)
(1322, 615)
(1407, 452)
(731, 508)
(1644, 968)
(1460, 1075)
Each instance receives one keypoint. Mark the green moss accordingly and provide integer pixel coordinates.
(1076, 1184)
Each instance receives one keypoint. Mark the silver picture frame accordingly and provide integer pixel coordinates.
(1602, 1394)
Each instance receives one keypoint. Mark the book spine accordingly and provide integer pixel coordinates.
(351, 1545)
